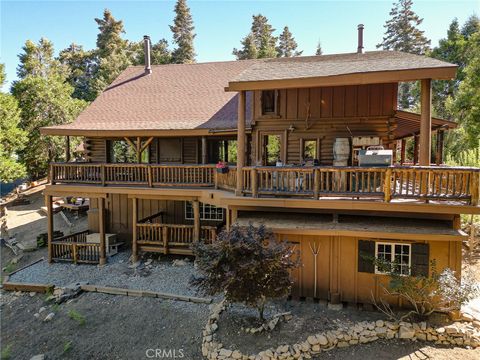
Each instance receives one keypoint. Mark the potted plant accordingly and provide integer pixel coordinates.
(222, 167)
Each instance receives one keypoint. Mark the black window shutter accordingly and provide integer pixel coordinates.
(420, 259)
(366, 254)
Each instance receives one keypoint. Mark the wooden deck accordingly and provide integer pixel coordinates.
(74, 248)
(437, 183)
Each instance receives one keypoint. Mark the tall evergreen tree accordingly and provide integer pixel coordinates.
(471, 26)
(12, 138)
(112, 55)
(45, 98)
(402, 34)
(319, 49)
(183, 34)
(260, 42)
(287, 46)
(80, 66)
(160, 53)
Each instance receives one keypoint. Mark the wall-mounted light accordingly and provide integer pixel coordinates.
(291, 128)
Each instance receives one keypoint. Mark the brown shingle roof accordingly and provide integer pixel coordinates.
(408, 124)
(336, 64)
(173, 97)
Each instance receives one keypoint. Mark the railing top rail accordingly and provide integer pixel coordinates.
(363, 168)
(70, 235)
(151, 217)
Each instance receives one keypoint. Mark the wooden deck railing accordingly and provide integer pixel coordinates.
(133, 174)
(74, 248)
(395, 182)
(172, 238)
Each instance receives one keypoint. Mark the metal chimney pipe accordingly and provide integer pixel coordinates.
(146, 48)
(360, 39)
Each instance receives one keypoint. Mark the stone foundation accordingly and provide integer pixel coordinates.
(457, 334)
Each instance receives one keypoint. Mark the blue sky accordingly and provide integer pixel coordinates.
(219, 25)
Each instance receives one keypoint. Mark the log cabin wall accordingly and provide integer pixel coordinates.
(324, 114)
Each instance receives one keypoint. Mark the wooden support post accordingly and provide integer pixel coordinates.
(387, 189)
(439, 147)
(67, 148)
(240, 142)
(134, 230)
(254, 182)
(101, 226)
(204, 150)
(196, 220)
(415, 149)
(102, 173)
(165, 239)
(48, 203)
(52, 174)
(138, 149)
(475, 188)
(403, 151)
(425, 123)
(316, 183)
(234, 216)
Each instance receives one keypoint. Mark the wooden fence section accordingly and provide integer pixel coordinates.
(171, 238)
(395, 182)
(74, 248)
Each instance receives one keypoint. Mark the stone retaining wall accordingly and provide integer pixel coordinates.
(458, 334)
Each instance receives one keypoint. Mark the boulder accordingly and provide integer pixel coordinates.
(49, 317)
(312, 340)
(406, 332)
(379, 323)
(236, 354)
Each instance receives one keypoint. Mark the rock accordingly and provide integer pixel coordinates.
(42, 309)
(148, 262)
(421, 337)
(32, 293)
(225, 352)
(381, 331)
(38, 357)
(467, 317)
(179, 262)
(214, 327)
(441, 330)
(316, 348)
(134, 265)
(335, 307)
(322, 340)
(49, 317)
(36, 315)
(282, 349)
(379, 323)
(363, 340)
(451, 329)
(342, 344)
(236, 354)
(353, 342)
(406, 332)
(312, 340)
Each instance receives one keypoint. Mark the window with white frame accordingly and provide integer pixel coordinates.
(397, 254)
(207, 212)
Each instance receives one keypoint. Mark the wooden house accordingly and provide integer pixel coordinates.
(291, 130)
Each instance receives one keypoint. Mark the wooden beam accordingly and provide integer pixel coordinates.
(101, 226)
(204, 150)
(48, 203)
(67, 148)
(240, 142)
(425, 123)
(134, 232)
(196, 220)
(150, 139)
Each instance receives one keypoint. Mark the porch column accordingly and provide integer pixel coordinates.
(67, 148)
(101, 230)
(240, 141)
(439, 147)
(196, 220)
(48, 203)
(134, 230)
(204, 150)
(425, 123)
(225, 150)
(403, 151)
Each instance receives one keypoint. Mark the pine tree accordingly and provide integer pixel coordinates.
(183, 34)
(402, 34)
(471, 26)
(287, 46)
(45, 98)
(80, 69)
(319, 49)
(112, 55)
(160, 53)
(12, 138)
(260, 42)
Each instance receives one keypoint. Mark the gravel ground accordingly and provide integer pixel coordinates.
(162, 276)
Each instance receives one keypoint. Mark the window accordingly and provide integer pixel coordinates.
(310, 150)
(272, 146)
(269, 102)
(207, 212)
(399, 255)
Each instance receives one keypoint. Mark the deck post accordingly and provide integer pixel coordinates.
(67, 148)
(425, 123)
(48, 203)
(196, 220)
(387, 189)
(101, 226)
(240, 142)
(254, 182)
(225, 150)
(316, 183)
(204, 150)
(134, 230)
(439, 147)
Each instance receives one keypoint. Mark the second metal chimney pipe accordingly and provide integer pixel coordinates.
(360, 39)
(146, 47)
